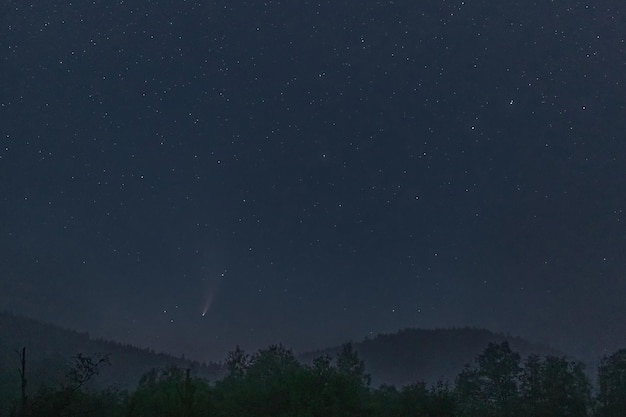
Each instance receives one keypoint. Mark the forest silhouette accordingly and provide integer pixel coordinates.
(273, 382)
(503, 376)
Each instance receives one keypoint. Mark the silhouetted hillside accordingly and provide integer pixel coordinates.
(50, 350)
(413, 355)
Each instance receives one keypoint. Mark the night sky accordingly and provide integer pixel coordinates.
(192, 176)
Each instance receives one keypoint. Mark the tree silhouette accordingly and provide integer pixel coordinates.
(612, 385)
(349, 364)
(555, 387)
(72, 397)
(237, 362)
(490, 387)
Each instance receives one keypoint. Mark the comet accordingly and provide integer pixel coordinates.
(212, 282)
(207, 304)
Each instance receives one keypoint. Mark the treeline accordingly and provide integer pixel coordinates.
(272, 382)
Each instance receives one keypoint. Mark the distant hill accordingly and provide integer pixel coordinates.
(49, 353)
(401, 358)
(413, 355)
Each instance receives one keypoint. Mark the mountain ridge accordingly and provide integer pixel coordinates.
(429, 355)
(407, 356)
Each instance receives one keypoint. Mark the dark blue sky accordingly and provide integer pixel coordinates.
(310, 172)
